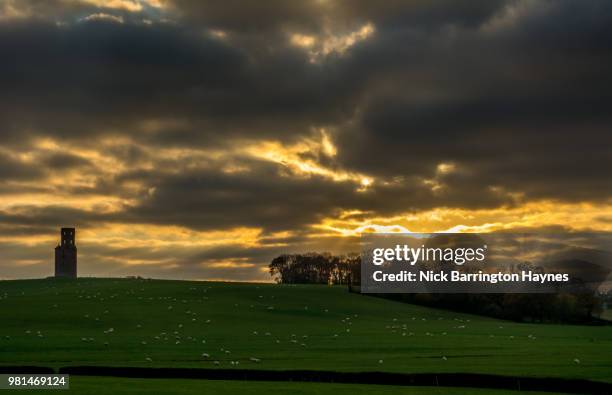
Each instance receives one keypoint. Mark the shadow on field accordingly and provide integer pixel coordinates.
(575, 386)
(26, 369)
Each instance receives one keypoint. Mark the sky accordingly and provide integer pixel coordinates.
(196, 139)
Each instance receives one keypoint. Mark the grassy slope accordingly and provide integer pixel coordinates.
(139, 311)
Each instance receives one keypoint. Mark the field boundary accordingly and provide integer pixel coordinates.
(471, 380)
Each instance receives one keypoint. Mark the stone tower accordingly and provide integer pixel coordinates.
(66, 255)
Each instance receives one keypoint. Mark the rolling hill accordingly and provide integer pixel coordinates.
(155, 323)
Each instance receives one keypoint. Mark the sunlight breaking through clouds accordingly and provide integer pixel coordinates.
(328, 43)
(295, 158)
(125, 5)
(181, 135)
(532, 215)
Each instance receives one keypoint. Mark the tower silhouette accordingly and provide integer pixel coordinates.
(66, 254)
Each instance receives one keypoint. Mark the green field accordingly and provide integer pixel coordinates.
(122, 322)
(97, 385)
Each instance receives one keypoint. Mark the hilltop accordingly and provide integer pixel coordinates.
(135, 322)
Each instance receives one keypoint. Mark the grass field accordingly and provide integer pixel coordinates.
(122, 322)
(97, 385)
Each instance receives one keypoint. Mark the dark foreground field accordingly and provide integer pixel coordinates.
(141, 323)
(97, 385)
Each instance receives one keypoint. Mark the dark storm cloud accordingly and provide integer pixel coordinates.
(92, 75)
(46, 217)
(99, 77)
(209, 199)
(514, 94)
(522, 105)
(451, 83)
(248, 16)
(311, 15)
(12, 169)
(264, 197)
(64, 161)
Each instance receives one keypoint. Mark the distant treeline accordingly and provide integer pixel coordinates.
(314, 268)
(325, 268)
(576, 308)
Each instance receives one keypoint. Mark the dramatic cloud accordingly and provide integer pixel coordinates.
(199, 139)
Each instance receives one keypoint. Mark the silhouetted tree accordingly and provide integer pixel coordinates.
(314, 268)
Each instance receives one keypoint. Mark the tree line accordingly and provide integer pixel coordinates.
(325, 268)
(314, 268)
